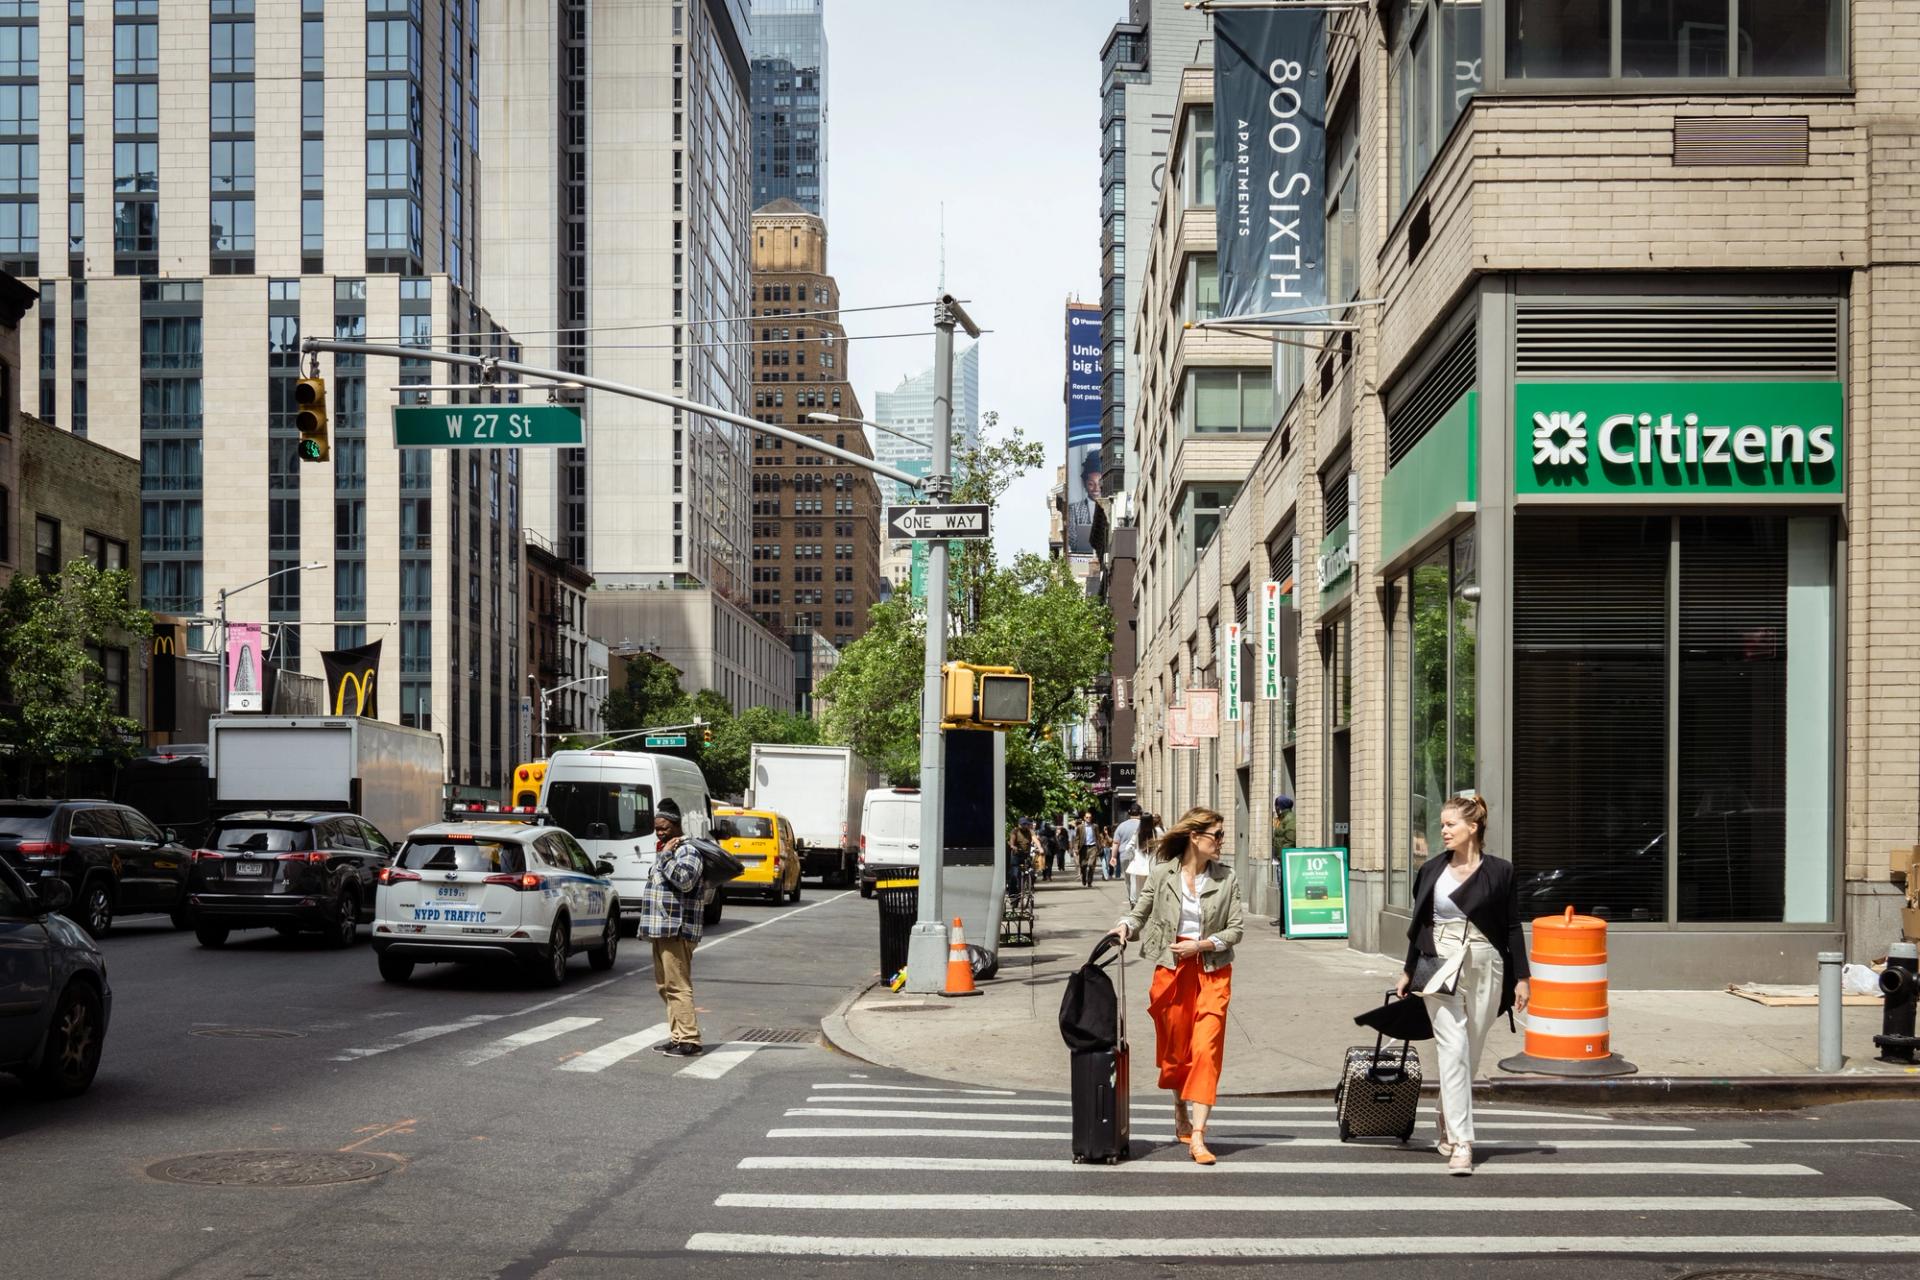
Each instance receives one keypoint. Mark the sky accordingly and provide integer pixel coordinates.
(992, 107)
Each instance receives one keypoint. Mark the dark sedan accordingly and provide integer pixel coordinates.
(291, 871)
(54, 998)
(113, 860)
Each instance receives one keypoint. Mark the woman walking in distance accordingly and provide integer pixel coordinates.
(1188, 923)
(1467, 956)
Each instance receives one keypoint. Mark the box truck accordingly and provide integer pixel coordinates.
(819, 791)
(389, 774)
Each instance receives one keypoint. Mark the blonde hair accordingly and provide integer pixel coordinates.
(1472, 808)
(1173, 844)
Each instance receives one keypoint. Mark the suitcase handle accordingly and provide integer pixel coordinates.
(1380, 1036)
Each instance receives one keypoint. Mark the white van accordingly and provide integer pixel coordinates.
(606, 799)
(889, 835)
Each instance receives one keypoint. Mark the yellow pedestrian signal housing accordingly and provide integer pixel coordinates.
(975, 697)
(310, 415)
(706, 737)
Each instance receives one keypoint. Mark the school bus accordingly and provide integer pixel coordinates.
(526, 782)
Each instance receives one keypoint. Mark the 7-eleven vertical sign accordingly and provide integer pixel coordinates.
(1230, 671)
(1269, 675)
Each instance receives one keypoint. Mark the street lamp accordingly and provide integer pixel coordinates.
(221, 599)
(545, 694)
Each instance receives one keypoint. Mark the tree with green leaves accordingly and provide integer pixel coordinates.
(52, 634)
(652, 698)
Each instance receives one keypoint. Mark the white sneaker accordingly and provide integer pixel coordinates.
(1461, 1163)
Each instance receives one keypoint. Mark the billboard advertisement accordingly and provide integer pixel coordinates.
(1083, 424)
(244, 683)
(1270, 104)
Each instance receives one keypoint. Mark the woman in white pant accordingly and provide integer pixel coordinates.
(1467, 956)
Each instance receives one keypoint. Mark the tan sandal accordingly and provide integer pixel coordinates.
(1182, 1123)
(1198, 1146)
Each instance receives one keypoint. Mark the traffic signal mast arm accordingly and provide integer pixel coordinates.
(488, 366)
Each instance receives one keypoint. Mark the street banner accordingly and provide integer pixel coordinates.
(1230, 672)
(1270, 127)
(1083, 424)
(245, 687)
(1314, 892)
(1271, 689)
(1178, 738)
(1203, 713)
(350, 680)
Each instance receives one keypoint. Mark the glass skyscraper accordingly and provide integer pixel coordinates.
(789, 48)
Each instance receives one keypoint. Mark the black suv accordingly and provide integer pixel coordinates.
(288, 870)
(113, 859)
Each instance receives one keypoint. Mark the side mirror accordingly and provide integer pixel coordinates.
(52, 895)
(596, 831)
(603, 867)
(170, 836)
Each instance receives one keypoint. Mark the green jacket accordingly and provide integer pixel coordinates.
(1155, 918)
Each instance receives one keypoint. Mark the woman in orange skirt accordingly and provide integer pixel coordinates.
(1188, 922)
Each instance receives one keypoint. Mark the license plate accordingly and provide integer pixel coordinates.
(450, 892)
(249, 868)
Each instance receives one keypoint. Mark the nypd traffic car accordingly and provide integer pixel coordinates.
(494, 883)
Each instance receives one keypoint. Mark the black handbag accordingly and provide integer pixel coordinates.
(717, 866)
(1089, 1008)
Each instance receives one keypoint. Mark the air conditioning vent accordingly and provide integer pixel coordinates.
(1724, 140)
(1415, 414)
(1776, 339)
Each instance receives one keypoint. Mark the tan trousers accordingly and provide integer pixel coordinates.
(673, 976)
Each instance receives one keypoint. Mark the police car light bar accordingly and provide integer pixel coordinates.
(474, 810)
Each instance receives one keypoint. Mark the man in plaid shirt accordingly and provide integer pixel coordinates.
(672, 909)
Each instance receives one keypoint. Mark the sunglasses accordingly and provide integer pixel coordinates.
(1214, 834)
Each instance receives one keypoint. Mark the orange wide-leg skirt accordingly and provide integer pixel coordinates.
(1189, 1008)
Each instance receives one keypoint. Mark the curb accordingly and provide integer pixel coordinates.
(838, 1033)
(1745, 1093)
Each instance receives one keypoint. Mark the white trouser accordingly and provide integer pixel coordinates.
(1136, 885)
(1461, 1021)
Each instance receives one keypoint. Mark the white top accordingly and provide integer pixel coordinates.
(1189, 906)
(1444, 888)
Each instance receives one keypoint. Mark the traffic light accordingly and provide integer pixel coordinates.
(310, 415)
(974, 697)
(706, 736)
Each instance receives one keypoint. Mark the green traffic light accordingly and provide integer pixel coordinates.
(310, 450)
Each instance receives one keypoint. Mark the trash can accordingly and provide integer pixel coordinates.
(899, 907)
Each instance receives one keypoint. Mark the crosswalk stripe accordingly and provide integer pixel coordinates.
(1322, 1121)
(1166, 1135)
(521, 1039)
(1382, 1168)
(868, 1087)
(616, 1050)
(1465, 1245)
(415, 1036)
(1229, 1108)
(1003, 1203)
(719, 1060)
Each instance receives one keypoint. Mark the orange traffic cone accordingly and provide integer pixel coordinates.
(959, 967)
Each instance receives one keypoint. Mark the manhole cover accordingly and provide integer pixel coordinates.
(271, 1168)
(778, 1035)
(247, 1033)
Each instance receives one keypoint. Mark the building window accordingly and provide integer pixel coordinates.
(1198, 170)
(1200, 509)
(1228, 401)
(46, 545)
(232, 106)
(1200, 293)
(136, 49)
(1343, 209)
(232, 44)
(1631, 43)
(102, 552)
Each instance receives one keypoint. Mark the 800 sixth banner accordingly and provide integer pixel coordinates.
(1270, 124)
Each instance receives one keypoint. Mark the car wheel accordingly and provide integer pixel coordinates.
(211, 935)
(795, 895)
(96, 908)
(711, 916)
(74, 1040)
(395, 969)
(345, 929)
(550, 966)
(180, 918)
(602, 956)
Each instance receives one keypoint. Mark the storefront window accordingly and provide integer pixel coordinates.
(1677, 40)
(1465, 630)
(1431, 667)
(1428, 596)
(1337, 654)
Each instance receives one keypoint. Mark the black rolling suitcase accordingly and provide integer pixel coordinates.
(1098, 1073)
(1379, 1091)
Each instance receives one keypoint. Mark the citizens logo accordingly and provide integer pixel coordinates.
(1560, 439)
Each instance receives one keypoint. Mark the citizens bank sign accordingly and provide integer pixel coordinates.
(1623, 438)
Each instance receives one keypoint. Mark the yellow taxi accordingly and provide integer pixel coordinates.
(764, 841)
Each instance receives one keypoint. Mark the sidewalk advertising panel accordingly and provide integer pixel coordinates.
(1083, 425)
(245, 686)
(1270, 125)
(1203, 713)
(1314, 891)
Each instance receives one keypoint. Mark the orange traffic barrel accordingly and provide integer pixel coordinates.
(1566, 1020)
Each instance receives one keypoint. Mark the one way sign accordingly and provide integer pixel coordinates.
(938, 523)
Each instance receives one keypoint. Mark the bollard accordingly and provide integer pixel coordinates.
(1567, 1020)
(1898, 984)
(1830, 1006)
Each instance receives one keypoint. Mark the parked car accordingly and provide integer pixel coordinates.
(488, 890)
(54, 997)
(889, 835)
(763, 840)
(291, 871)
(113, 860)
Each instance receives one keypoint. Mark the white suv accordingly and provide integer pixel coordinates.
(469, 891)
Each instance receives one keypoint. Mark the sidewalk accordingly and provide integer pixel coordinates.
(1292, 1020)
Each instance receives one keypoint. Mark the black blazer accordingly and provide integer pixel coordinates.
(1490, 901)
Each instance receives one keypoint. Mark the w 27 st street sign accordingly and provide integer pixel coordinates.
(938, 523)
(498, 426)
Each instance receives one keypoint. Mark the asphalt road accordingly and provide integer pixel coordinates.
(493, 1130)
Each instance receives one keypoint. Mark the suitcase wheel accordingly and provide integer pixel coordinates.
(1113, 1160)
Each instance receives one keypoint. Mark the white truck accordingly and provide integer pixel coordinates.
(819, 791)
(391, 775)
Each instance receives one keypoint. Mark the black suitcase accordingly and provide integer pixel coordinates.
(1101, 1119)
(1379, 1091)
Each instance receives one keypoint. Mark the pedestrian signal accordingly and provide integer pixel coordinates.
(975, 697)
(310, 416)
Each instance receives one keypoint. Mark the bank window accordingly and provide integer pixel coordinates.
(1199, 173)
(1437, 68)
(1228, 401)
(1628, 41)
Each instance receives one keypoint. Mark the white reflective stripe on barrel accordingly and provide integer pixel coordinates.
(1573, 1027)
(1545, 972)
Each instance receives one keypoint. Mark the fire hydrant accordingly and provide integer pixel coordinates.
(1899, 984)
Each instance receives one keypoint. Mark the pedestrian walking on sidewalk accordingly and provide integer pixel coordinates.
(1467, 957)
(1188, 923)
(672, 910)
(1086, 847)
(1049, 850)
(1130, 854)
